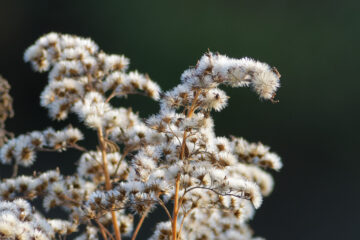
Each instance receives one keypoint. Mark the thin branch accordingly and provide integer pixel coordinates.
(76, 203)
(113, 94)
(101, 229)
(138, 226)
(174, 133)
(162, 204)
(46, 150)
(242, 195)
(183, 220)
(193, 105)
(109, 234)
(126, 151)
(107, 180)
(182, 155)
(15, 170)
(183, 146)
(78, 147)
(176, 207)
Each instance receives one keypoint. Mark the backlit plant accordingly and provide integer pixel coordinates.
(208, 186)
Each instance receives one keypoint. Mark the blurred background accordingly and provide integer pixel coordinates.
(314, 44)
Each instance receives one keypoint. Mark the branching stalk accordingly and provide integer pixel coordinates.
(183, 220)
(102, 229)
(140, 224)
(107, 180)
(176, 207)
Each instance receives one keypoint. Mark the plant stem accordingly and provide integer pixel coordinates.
(102, 230)
(190, 112)
(126, 151)
(176, 208)
(140, 224)
(183, 220)
(183, 146)
(162, 204)
(193, 104)
(107, 180)
(15, 170)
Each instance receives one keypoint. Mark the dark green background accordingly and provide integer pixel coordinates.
(314, 44)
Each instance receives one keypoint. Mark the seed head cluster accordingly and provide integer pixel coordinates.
(209, 186)
(6, 109)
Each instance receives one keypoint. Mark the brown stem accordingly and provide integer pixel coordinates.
(182, 198)
(190, 112)
(15, 170)
(241, 194)
(162, 204)
(123, 93)
(76, 203)
(176, 208)
(193, 105)
(80, 148)
(140, 224)
(46, 149)
(107, 232)
(102, 229)
(183, 220)
(183, 146)
(113, 93)
(107, 180)
(126, 151)
(172, 132)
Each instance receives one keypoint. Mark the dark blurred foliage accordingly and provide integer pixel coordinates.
(314, 44)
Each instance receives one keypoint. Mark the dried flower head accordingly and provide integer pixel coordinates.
(215, 183)
(6, 109)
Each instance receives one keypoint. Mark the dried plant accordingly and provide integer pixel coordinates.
(6, 109)
(208, 186)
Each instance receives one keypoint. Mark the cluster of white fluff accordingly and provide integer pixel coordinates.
(255, 153)
(22, 149)
(216, 183)
(210, 224)
(19, 221)
(214, 172)
(214, 69)
(77, 71)
(90, 166)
